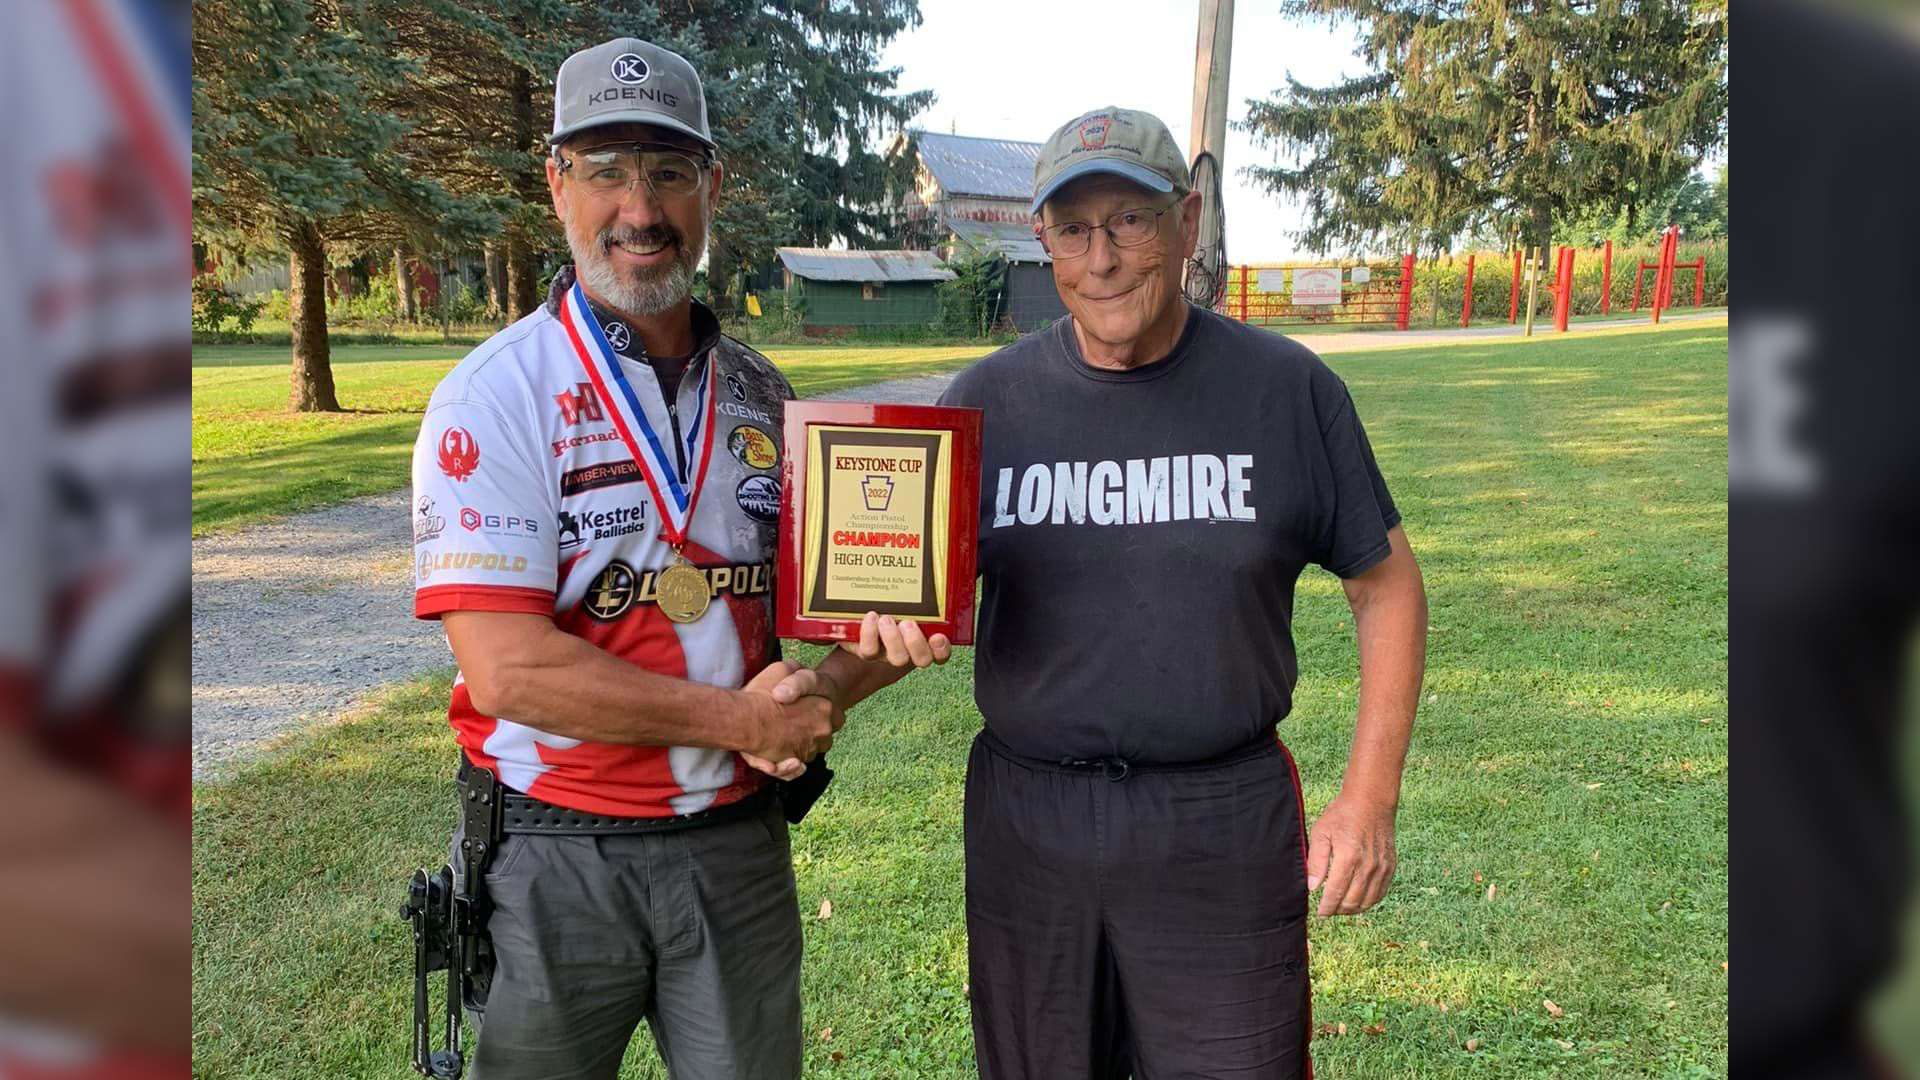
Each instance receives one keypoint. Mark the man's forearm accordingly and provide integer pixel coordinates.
(1390, 620)
(566, 685)
(859, 679)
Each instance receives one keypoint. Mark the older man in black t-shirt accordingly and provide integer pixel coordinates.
(1155, 477)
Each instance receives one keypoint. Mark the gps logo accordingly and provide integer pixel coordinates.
(630, 69)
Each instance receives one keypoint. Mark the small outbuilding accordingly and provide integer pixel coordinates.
(842, 290)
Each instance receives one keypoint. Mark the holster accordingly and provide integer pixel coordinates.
(448, 911)
(797, 796)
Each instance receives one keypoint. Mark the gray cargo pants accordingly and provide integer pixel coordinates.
(696, 931)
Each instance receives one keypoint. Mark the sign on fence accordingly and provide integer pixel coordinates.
(1316, 285)
(1360, 275)
(1271, 279)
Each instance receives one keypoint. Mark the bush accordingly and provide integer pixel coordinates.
(274, 307)
(968, 302)
(379, 304)
(214, 305)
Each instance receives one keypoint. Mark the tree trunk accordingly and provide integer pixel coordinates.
(496, 280)
(523, 276)
(403, 281)
(719, 274)
(523, 279)
(1542, 214)
(307, 306)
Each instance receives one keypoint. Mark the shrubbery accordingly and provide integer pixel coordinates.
(214, 305)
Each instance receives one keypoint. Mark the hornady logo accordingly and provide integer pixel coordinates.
(497, 524)
(577, 529)
(431, 564)
(1139, 491)
(579, 405)
(575, 481)
(561, 446)
(459, 453)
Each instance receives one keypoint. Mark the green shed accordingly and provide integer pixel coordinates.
(841, 290)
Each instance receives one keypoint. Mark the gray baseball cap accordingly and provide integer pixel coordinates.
(1124, 142)
(628, 81)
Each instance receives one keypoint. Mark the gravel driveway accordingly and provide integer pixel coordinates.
(300, 619)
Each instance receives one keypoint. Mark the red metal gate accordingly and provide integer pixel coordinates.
(1263, 294)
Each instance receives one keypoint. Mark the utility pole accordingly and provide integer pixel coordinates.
(1213, 53)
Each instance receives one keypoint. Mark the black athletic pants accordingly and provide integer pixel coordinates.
(1134, 920)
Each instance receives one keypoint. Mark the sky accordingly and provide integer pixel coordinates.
(1018, 69)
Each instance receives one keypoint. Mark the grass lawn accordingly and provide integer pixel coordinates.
(1562, 830)
(253, 459)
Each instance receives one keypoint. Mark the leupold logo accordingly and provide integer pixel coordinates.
(629, 68)
(878, 491)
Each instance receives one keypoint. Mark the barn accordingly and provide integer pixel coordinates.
(843, 290)
(970, 195)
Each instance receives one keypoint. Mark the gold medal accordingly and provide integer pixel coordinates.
(681, 591)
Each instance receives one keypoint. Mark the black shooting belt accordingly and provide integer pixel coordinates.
(521, 813)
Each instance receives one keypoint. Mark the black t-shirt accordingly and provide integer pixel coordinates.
(1141, 533)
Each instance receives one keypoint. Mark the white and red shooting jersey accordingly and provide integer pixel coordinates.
(527, 498)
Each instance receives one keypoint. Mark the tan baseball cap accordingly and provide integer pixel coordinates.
(628, 81)
(1124, 142)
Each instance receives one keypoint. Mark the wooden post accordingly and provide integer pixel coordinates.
(1466, 301)
(1212, 54)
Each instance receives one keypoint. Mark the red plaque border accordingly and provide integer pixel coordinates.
(963, 519)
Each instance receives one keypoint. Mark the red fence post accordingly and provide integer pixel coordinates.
(1563, 291)
(1700, 282)
(1639, 275)
(1466, 302)
(1513, 291)
(1662, 271)
(1606, 279)
(1245, 273)
(1406, 292)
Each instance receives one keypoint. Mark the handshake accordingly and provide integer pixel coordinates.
(795, 710)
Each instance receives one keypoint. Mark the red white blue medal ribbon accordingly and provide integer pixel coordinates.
(676, 496)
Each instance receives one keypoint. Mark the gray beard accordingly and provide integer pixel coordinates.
(643, 293)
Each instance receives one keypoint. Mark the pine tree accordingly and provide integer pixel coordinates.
(297, 145)
(799, 104)
(1491, 115)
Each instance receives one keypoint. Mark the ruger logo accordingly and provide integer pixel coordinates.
(459, 453)
(579, 405)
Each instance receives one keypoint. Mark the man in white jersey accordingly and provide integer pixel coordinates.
(596, 495)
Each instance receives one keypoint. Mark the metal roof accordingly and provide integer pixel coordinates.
(1013, 240)
(823, 264)
(965, 165)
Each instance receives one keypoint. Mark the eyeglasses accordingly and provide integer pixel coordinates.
(614, 170)
(1128, 228)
